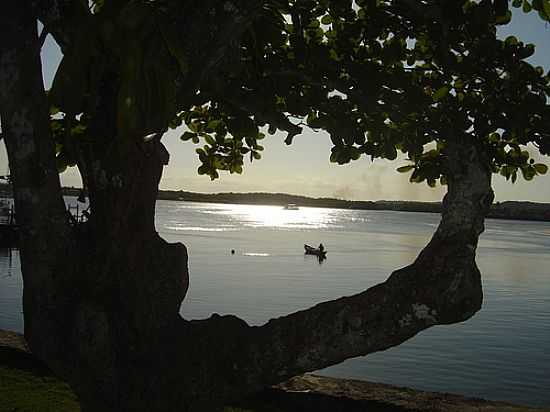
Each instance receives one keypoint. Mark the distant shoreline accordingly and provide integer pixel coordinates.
(513, 210)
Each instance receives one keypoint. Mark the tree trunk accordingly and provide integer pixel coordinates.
(134, 283)
(101, 300)
(44, 228)
(98, 297)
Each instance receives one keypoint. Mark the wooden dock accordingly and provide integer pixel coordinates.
(9, 230)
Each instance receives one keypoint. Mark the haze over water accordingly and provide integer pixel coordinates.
(501, 353)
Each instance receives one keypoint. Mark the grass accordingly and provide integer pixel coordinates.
(29, 391)
(28, 386)
(26, 391)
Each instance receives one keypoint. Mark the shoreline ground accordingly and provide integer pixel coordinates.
(303, 393)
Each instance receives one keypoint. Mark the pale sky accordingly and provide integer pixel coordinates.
(304, 168)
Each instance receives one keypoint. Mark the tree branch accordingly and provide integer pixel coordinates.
(411, 300)
(237, 21)
(275, 118)
(442, 286)
(42, 38)
(222, 26)
(421, 9)
(61, 18)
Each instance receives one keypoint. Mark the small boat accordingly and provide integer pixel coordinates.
(310, 250)
(291, 206)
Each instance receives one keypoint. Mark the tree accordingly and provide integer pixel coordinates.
(101, 299)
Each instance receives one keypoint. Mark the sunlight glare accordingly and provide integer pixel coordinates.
(277, 217)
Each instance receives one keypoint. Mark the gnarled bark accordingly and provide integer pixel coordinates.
(101, 301)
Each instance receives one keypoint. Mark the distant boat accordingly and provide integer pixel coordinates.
(310, 250)
(291, 206)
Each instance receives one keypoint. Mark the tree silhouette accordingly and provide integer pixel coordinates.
(428, 79)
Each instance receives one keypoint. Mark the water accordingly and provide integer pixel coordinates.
(501, 353)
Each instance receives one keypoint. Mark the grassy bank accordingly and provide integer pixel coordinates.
(23, 391)
(28, 391)
(28, 386)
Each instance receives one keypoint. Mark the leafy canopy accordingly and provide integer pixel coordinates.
(380, 76)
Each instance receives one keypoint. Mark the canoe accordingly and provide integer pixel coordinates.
(310, 250)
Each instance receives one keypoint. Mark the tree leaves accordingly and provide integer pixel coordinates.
(228, 137)
(441, 93)
(405, 169)
(541, 6)
(375, 76)
(540, 168)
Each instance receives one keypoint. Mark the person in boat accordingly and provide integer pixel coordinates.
(321, 248)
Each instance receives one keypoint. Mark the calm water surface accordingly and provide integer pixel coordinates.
(501, 353)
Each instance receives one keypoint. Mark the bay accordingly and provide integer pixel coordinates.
(501, 353)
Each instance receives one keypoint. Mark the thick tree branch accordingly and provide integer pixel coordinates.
(222, 27)
(42, 38)
(61, 18)
(421, 9)
(442, 286)
(411, 300)
(237, 20)
(260, 111)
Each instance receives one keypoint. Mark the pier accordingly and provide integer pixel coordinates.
(9, 230)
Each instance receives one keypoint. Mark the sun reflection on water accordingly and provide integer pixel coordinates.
(277, 217)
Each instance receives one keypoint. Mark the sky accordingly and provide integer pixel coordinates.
(304, 168)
